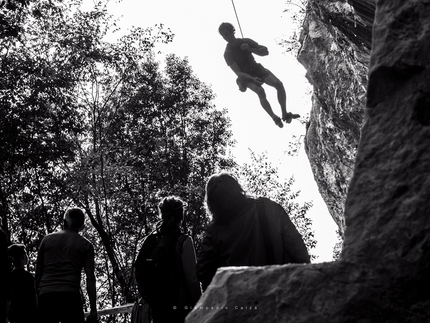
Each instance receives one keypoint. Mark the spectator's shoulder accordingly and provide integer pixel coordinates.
(87, 243)
(212, 228)
(267, 202)
(52, 235)
(272, 207)
(273, 203)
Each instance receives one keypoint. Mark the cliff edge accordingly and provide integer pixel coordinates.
(335, 50)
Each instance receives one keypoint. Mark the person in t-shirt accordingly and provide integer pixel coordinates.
(62, 256)
(22, 297)
(250, 74)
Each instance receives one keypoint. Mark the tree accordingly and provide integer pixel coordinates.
(38, 121)
(97, 124)
(10, 17)
(157, 134)
(337, 249)
(260, 178)
(297, 11)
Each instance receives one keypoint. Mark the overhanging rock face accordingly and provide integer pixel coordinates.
(383, 272)
(336, 42)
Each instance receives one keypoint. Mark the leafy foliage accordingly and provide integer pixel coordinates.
(297, 10)
(38, 121)
(337, 249)
(10, 13)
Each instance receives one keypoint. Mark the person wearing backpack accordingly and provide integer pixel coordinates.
(166, 266)
(245, 231)
(61, 257)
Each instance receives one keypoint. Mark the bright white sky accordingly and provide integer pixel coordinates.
(195, 25)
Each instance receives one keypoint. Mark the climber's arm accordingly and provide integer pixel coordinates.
(257, 49)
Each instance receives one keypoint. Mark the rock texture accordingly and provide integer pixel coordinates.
(336, 42)
(383, 272)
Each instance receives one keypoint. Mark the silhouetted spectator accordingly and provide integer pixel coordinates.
(167, 278)
(22, 297)
(4, 275)
(60, 260)
(236, 235)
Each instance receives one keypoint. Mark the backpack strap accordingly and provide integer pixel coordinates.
(265, 230)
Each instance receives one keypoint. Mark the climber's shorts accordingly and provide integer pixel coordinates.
(257, 70)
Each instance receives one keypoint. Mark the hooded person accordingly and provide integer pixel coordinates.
(245, 231)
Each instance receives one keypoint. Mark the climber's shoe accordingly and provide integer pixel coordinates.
(278, 121)
(290, 116)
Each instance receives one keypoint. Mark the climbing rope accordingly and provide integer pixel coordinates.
(237, 18)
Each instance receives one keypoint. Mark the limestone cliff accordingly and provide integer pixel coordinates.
(336, 43)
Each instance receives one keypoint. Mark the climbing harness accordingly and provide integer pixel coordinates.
(237, 18)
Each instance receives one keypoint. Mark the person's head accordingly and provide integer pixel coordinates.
(224, 196)
(17, 255)
(227, 31)
(74, 219)
(171, 210)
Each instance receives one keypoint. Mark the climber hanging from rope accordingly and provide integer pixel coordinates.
(252, 75)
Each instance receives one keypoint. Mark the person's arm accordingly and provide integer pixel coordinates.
(91, 284)
(32, 289)
(189, 266)
(39, 266)
(208, 261)
(259, 50)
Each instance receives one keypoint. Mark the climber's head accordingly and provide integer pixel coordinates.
(227, 31)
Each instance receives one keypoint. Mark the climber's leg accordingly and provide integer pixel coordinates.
(258, 89)
(272, 80)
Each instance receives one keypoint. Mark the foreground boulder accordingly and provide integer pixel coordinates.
(383, 272)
